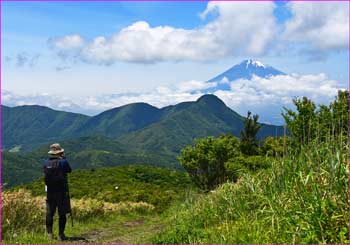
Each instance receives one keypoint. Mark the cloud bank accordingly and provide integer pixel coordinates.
(10, 98)
(264, 96)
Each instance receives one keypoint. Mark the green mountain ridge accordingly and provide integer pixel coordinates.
(204, 117)
(17, 169)
(32, 126)
(121, 120)
(132, 134)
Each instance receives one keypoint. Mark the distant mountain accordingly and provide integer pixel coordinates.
(132, 134)
(244, 70)
(32, 125)
(206, 116)
(121, 120)
(17, 169)
(137, 125)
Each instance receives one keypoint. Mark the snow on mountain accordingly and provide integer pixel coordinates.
(254, 63)
(244, 70)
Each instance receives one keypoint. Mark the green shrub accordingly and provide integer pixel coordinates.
(255, 163)
(236, 166)
(275, 147)
(205, 161)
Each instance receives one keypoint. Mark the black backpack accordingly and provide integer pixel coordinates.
(54, 176)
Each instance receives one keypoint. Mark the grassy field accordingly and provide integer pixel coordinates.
(157, 186)
(24, 217)
(300, 199)
(102, 214)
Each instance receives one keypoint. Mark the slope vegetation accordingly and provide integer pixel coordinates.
(32, 126)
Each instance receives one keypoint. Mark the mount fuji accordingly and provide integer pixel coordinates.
(244, 70)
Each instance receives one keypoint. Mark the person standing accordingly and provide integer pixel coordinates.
(56, 168)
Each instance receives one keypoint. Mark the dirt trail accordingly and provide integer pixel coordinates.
(139, 230)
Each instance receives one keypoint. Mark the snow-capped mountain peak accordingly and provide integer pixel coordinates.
(254, 63)
(244, 70)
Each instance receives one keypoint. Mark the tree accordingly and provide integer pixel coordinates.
(274, 147)
(308, 123)
(339, 109)
(324, 123)
(205, 161)
(249, 144)
(301, 123)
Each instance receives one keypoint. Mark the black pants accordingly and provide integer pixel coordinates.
(57, 200)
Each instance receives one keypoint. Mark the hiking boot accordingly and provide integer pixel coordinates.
(50, 236)
(62, 237)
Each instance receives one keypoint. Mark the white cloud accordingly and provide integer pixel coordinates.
(237, 29)
(159, 97)
(67, 47)
(193, 85)
(44, 99)
(74, 41)
(264, 96)
(267, 96)
(324, 26)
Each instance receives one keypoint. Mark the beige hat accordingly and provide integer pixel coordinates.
(55, 149)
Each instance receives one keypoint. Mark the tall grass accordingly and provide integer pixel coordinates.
(300, 199)
(23, 213)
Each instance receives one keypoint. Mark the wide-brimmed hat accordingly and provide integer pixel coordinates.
(55, 149)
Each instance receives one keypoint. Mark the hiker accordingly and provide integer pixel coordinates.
(56, 181)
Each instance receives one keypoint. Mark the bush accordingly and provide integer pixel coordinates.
(255, 163)
(205, 161)
(236, 166)
(275, 147)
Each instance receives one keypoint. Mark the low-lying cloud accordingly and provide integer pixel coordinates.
(264, 96)
(10, 98)
(268, 96)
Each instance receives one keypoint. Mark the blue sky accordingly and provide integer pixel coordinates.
(89, 52)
